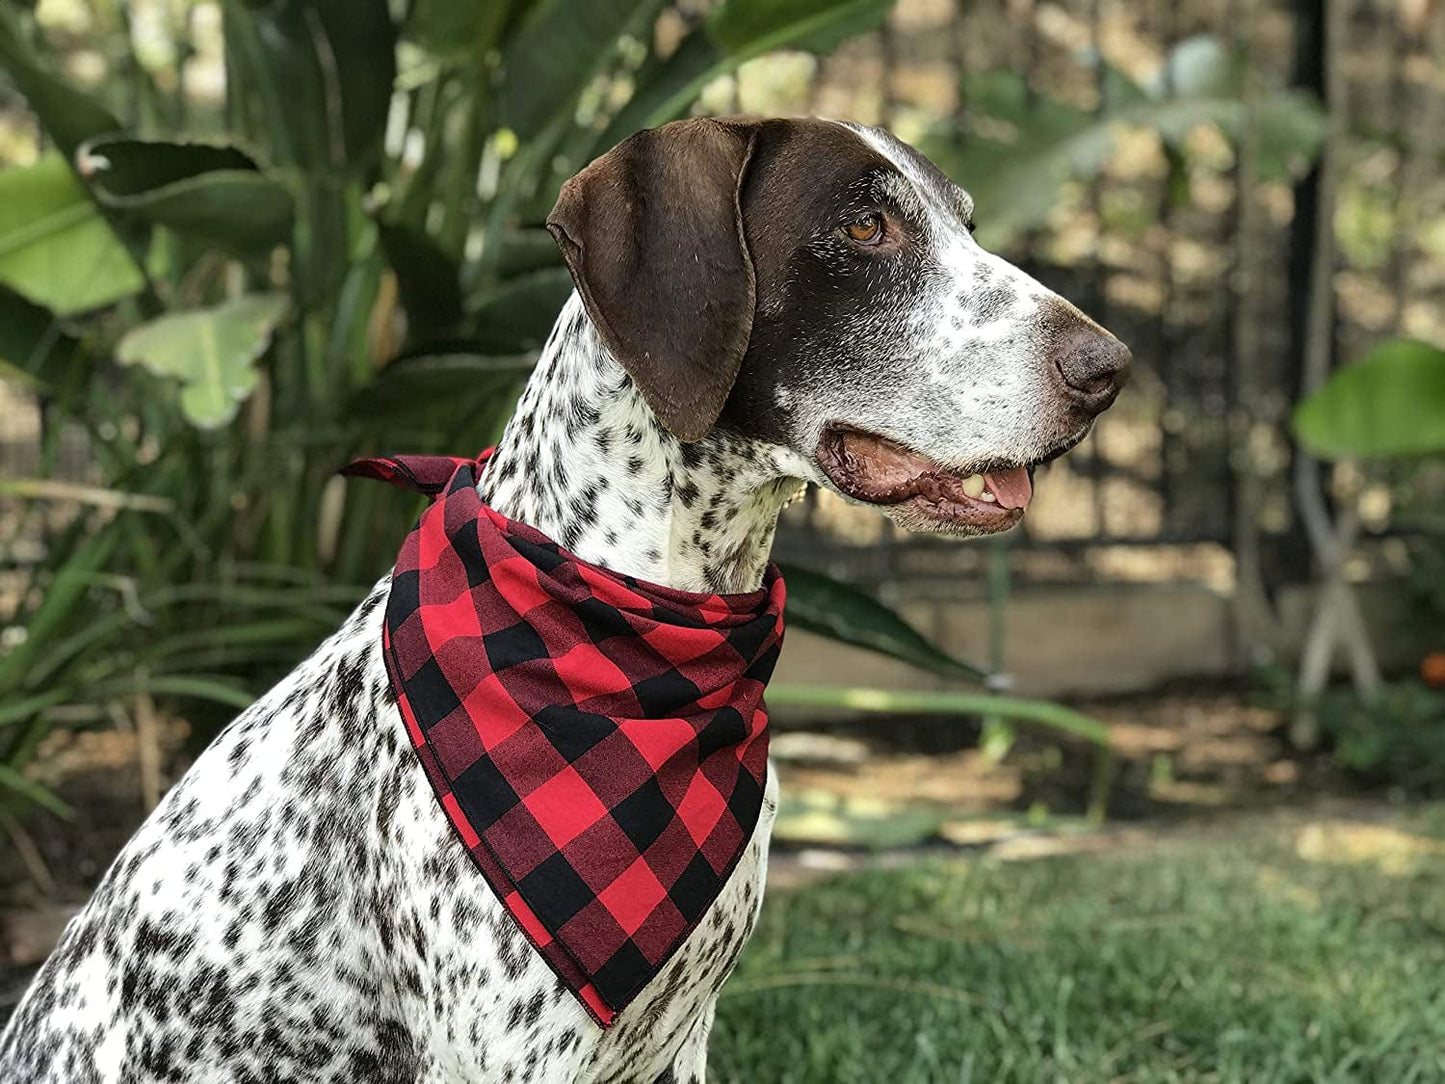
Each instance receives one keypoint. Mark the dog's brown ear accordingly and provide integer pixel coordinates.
(652, 233)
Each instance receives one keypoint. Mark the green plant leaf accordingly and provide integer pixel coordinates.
(322, 71)
(463, 31)
(749, 28)
(841, 612)
(32, 791)
(1390, 404)
(736, 31)
(55, 248)
(68, 116)
(906, 702)
(427, 279)
(434, 401)
(36, 350)
(60, 601)
(556, 51)
(216, 690)
(517, 317)
(211, 351)
(215, 193)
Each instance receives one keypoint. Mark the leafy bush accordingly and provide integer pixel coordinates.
(1398, 736)
(228, 309)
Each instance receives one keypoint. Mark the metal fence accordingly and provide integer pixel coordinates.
(1209, 285)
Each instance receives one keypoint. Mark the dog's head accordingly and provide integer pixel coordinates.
(816, 285)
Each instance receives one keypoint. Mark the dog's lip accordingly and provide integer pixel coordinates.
(928, 488)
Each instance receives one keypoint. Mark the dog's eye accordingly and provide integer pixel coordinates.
(867, 230)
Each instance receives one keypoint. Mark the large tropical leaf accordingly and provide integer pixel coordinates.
(35, 349)
(841, 612)
(1390, 404)
(212, 192)
(68, 116)
(427, 279)
(517, 316)
(55, 248)
(210, 351)
(737, 31)
(438, 399)
(321, 73)
(463, 31)
(557, 50)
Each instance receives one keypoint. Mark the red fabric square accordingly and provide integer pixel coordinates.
(700, 808)
(565, 806)
(634, 894)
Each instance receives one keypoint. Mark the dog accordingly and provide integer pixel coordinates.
(758, 305)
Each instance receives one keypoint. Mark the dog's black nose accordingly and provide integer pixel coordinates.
(1093, 366)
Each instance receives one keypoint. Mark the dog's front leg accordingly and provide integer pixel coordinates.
(690, 1065)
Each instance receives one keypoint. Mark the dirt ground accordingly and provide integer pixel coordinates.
(853, 792)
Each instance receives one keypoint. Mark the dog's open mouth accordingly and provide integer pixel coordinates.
(873, 469)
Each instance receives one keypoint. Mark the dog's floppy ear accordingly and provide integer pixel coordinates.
(652, 233)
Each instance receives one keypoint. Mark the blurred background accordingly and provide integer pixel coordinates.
(1143, 791)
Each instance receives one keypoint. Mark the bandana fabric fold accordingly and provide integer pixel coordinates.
(598, 743)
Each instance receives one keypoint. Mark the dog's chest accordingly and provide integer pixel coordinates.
(299, 901)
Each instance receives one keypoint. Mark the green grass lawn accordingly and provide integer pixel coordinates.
(1279, 950)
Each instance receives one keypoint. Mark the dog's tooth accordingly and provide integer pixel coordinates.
(973, 485)
(987, 497)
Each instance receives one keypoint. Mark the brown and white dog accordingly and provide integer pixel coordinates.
(759, 305)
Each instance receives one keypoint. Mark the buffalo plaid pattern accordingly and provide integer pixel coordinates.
(597, 742)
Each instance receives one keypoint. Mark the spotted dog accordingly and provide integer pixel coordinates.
(759, 305)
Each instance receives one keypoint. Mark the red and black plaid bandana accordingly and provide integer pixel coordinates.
(599, 743)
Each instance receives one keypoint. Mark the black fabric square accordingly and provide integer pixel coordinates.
(514, 644)
(431, 694)
(761, 669)
(725, 728)
(669, 693)
(644, 814)
(748, 638)
(667, 616)
(545, 556)
(601, 621)
(622, 974)
(468, 546)
(555, 892)
(405, 595)
(484, 794)
(573, 732)
(695, 889)
(746, 800)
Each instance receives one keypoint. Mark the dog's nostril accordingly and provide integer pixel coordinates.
(1094, 367)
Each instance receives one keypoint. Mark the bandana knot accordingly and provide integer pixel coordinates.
(598, 743)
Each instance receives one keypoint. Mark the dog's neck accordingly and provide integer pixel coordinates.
(584, 461)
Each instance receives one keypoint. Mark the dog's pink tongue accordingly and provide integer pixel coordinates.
(1011, 488)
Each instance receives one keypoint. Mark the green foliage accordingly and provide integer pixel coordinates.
(210, 351)
(1390, 404)
(68, 115)
(55, 246)
(215, 194)
(830, 608)
(1397, 736)
(265, 300)
(1021, 148)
